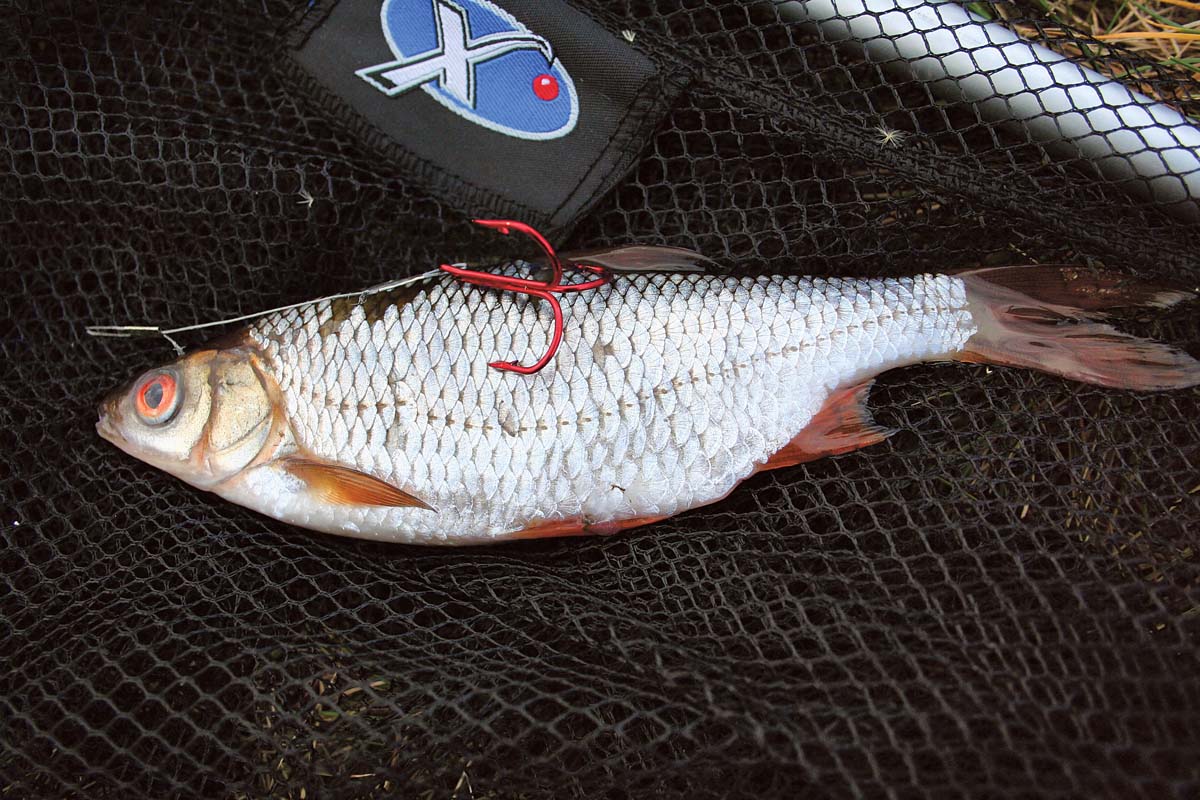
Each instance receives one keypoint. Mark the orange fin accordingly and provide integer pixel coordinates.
(1037, 317)
(577, 526)
(843, 424)
(349, 487)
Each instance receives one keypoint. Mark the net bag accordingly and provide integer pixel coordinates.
(1002, 600)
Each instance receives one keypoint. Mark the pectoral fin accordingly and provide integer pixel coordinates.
(843, 424)
(349, 487)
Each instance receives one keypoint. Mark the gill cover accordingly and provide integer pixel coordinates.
(203, 418)
(243, 416)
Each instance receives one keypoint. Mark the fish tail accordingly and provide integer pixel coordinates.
(1045, 318)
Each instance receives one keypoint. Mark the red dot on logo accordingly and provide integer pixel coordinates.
(545, 87)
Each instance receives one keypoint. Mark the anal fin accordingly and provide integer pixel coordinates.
(842, 424)
(346, 486)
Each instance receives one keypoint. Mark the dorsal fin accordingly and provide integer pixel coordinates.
(641, 258)
(347, 486)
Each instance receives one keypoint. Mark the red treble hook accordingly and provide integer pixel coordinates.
(544, 290)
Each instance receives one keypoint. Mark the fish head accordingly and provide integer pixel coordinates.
(203, 418)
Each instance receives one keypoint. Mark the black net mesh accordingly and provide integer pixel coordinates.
(1002, 600)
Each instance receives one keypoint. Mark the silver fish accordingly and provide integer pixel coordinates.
(379, 416)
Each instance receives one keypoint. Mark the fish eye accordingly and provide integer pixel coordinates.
(157, 398)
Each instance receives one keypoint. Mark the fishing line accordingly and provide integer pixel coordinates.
(130, 331)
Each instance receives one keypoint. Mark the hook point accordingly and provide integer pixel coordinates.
(503, 226)
(542, 289)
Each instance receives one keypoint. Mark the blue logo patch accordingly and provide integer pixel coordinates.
(478, 61)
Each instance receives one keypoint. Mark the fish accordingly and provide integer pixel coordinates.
(384, 416)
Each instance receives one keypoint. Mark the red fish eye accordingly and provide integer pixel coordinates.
(156, 398)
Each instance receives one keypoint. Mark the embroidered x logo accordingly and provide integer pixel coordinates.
(453, 64)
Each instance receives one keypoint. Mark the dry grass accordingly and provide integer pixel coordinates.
(1164, 32)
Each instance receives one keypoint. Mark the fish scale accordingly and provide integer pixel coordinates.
(667, 390)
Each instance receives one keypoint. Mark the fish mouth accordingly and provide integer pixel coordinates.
(108, 426)
(108, 423)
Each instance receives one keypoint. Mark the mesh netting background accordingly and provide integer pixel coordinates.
(1004, 599)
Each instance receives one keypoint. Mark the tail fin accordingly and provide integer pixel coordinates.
(1043, 318)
